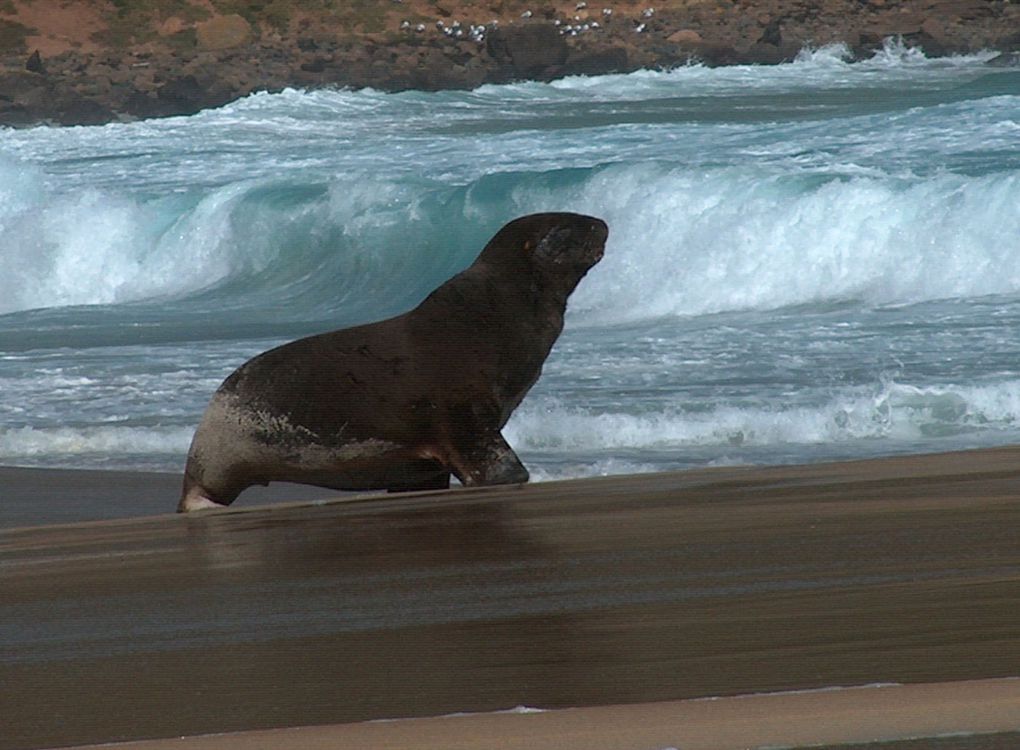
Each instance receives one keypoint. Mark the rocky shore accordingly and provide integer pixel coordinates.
(98, 61)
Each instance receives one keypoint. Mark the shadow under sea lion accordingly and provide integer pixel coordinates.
(403, 403)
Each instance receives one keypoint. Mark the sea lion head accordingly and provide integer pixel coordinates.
(560, 246)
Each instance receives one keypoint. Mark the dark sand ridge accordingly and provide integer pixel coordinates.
(584, 593)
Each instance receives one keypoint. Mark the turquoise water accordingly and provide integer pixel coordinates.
(809, 261)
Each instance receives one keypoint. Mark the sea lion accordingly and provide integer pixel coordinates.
(403, 403)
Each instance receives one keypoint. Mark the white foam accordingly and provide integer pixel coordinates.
(893, 411)
(70, 445)
(827, 66)
(689, 243)
(93, 247)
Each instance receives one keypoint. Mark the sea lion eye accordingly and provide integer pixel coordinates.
(527, 246)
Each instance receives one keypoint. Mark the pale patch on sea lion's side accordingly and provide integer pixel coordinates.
(406, 402)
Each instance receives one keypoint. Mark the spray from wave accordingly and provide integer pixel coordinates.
(554, 436)
(96, 446)
(665, 439)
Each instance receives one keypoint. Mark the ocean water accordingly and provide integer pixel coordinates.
(812, 261)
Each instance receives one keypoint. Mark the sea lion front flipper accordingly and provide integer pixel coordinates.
(488, 460)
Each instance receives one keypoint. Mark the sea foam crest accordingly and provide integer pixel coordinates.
(814, 67)
(92, 247)
(684, 243)
(373, 246)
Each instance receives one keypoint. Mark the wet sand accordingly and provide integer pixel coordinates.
(38, 497)
(591, 593)
(779, 720)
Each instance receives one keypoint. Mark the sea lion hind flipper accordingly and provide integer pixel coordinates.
(489, 460)
(195, 497)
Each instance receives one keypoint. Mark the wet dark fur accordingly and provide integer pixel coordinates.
(410, 400)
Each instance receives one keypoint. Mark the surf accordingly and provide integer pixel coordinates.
(825, 221)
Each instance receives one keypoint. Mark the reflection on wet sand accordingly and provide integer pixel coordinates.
(617, 590)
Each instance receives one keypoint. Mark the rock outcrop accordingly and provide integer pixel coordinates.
(187, 63)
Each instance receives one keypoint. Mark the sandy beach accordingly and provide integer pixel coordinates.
(591, 594)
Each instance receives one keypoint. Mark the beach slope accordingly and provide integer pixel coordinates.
(599, 592)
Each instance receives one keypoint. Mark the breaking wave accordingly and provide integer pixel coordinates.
(681, 243)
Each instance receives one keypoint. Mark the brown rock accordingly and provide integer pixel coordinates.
(74, 109)
(223, 32)
(595, 63)
(772, 33)
(15, 85)
(685, 37)
(933, 27)
(171, 26)
(314, 65)
(528, 50)
(1009, 42)
(762, 53)
(35, 63)
(1005, 60)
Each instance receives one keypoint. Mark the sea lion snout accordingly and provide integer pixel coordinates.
(598, 234)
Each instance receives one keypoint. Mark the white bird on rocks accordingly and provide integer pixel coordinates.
(405, 25)
(581, 5)
(648, 12)
(607, 12)
(639, 29)
(526, 14)
(420, 28)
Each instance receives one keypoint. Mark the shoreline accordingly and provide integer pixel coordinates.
(34, 496)
(86, 65)
(38, 496)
